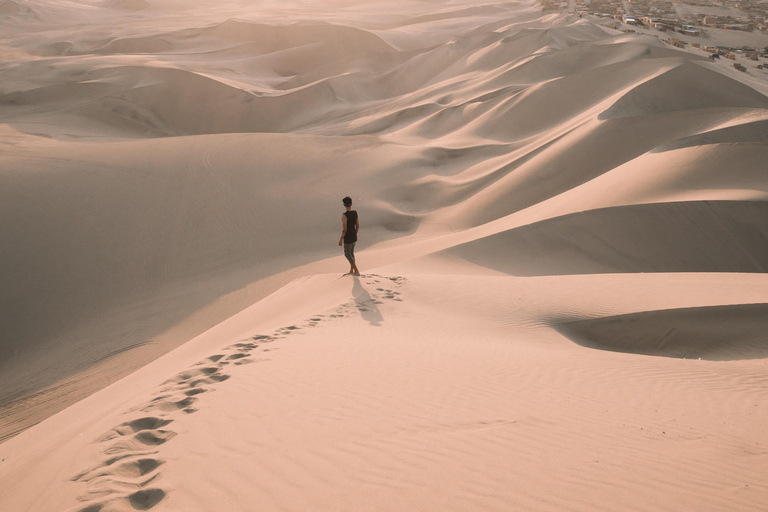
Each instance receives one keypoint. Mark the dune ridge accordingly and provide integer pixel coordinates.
(522, 112)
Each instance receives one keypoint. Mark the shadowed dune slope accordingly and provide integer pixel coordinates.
(279, 78)
(128, 5)
(686, 87)
(332, 42)
(712, 333)
(509, 84)
(706, 236)
(748, 132)
(147, 101)
(145, 233)
(9, 7)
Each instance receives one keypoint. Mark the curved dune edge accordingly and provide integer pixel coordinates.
(691, 236)
(716, 333)
(331, 376)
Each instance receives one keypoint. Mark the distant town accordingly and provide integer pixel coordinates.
(664, 14)
(698, 23)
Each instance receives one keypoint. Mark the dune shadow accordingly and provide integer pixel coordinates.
(715, 333)
(366, 304)
(685, 236)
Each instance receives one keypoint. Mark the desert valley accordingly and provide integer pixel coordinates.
(563, 246)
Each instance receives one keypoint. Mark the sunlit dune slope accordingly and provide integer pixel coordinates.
(161, 169)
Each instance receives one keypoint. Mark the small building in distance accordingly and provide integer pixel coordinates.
(690, 30)
(676, 42)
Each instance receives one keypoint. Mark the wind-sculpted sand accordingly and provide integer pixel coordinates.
(563, 241)
(128, 474)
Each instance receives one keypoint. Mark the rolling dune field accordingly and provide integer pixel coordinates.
(564, 243)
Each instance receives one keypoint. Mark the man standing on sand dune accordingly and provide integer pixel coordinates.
(349, 226)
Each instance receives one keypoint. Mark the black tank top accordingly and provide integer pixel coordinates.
(350, 236)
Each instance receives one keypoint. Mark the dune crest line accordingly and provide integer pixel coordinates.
(129, 474)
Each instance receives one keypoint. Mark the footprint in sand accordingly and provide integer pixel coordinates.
(126, 478)
(131, 466)
(144, 499)
(132, 427)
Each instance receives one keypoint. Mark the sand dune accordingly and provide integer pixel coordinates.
(685, 87)
(547, 206)
(436, 406)
(128, 5)
(161, 246)
(718, 332)
(749, 131)
(540, 86)
(710, 236)
(9, 7)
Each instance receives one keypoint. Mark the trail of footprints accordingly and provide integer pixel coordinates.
(127, 476)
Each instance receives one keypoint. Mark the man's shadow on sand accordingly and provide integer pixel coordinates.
(366, 304)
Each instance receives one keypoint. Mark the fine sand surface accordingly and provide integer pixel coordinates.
(564, 245)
